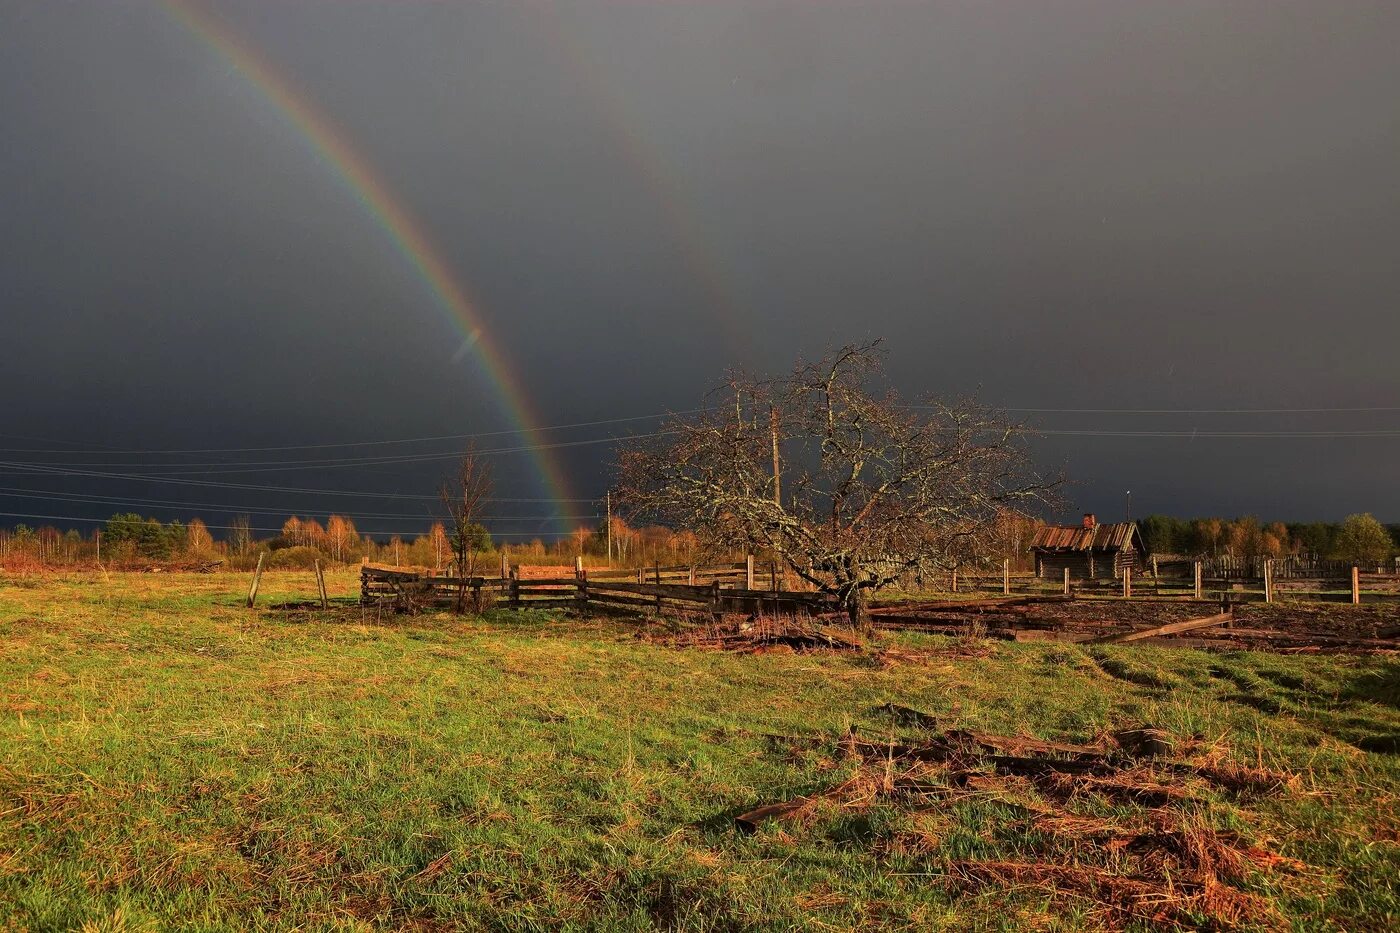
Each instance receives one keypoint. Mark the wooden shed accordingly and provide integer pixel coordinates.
(1091, 551)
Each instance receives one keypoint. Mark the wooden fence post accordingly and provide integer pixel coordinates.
(257, 575)
(692, 575)
(773, 574)
(1199, 573)
(955, 580)
(1066, 581)
(1268, 580)
(514, 588)
(505, 566)
(321, 585)
(578, 566)
(748, 572)
(1006, 577)
(716, 607)
(1127, 582)
(1355, 586)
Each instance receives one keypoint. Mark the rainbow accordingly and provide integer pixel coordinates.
(658, 176)
(406, 235)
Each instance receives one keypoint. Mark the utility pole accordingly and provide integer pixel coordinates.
(1128, 507)
(777, 469)
(607, 529)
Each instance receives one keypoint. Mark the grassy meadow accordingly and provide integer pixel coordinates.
(172, 760)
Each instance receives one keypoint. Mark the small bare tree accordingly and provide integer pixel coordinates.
(876, 488)
(464, 496)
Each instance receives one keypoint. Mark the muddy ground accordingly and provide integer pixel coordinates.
(1282, 626)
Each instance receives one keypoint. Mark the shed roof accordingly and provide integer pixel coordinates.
(1113, 537)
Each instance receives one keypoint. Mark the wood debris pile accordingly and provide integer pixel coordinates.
(1156, 860)
(759, 634)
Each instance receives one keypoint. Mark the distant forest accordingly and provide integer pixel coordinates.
(1359, 538)
(128, 539)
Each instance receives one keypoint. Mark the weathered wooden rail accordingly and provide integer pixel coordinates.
(647, 589)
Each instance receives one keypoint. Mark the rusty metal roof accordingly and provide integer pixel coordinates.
(1078, 538)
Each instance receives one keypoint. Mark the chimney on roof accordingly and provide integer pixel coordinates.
(1089, 520)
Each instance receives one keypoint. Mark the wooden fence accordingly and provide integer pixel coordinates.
(1236, 580)
(750, 587)
(713, 589)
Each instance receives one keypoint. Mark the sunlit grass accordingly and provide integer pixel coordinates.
(169, 759)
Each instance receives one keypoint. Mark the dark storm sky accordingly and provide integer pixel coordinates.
(1087, 205)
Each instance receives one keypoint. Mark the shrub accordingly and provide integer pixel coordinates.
(298, 558)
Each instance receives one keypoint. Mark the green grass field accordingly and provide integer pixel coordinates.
(169, 759)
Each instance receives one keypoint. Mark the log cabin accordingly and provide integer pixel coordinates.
(1091, 551)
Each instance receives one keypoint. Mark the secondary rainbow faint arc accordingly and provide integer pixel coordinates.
(657, 174)
(402, 231)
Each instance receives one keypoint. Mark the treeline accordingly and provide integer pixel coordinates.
(1359, 538)
(129, 540)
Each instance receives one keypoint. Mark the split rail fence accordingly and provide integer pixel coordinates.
(750, 587)
(711, 589)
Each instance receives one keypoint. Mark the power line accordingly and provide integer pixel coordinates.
(167, 506)
(384, 459)
(17, 492)
(1194, 433)
(263, 466)
(1199, 411)
(378, 443)
(103, 521)
(139, 477)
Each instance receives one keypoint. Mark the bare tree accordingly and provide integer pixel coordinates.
(240, 535)
(464, 496)
(876, 488)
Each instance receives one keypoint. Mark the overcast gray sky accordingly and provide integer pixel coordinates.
(1055, 205)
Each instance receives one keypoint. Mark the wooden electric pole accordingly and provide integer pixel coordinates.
(777, 468)
(607, 530)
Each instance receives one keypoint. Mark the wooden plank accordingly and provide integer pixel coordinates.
(257, 576)
(671, 590)
(751, 821)
(797, 596)
(964, 605)
(598, 597)
(389, 570)
(321, 585)
(1190, 625)
(565, 603)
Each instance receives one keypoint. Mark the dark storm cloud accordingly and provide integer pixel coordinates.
(1063, 205)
